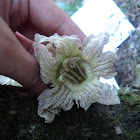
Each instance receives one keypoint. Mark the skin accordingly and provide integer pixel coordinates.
(16, 51)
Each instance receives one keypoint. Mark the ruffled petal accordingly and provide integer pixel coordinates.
(104, 93)
(52, 100)
(68, 103)
(86, 41)
(103, 66)
(44, 100)
(93, 46)
(96, 91)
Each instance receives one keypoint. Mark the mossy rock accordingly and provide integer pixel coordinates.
(19, 119)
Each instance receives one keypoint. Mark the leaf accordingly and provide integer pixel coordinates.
(79, 3)
(67, 7)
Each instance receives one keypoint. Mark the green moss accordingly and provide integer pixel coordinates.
(126, 115)
(98, 122)
(131, 98)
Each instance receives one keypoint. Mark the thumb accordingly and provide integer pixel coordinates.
(17, 63)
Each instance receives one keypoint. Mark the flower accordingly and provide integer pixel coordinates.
(74, 70)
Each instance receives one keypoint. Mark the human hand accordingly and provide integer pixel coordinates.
(29, 17)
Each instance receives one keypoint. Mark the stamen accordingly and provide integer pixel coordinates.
(73, 79)
(81, 72)
(75, 74)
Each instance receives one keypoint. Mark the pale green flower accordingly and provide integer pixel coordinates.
(74, 70)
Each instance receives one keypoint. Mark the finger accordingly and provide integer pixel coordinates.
(49, 18)
(69, 28)
(29, 30)
(16, 62)
(26, 43)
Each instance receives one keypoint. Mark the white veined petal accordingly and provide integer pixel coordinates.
(63, 48)
(85, 101)
(47, 93)
(90, 50)
(94, 47)
(44, 99)
(47, 58)
(81, 99)
(49, 116)
(66, 101)
(61, 99)
(39, 38)
(107, 56)
(68, 104)
(107, 74)
(103, 67)
(55, 97)
(45, 104)
(69, 45)
(54, 111)
(88, 93)
(87, 41)
(92, 90)
(106, 95)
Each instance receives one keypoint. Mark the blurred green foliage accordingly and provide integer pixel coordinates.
(70, 9)
(138, 4)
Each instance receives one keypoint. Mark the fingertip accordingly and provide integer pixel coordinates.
(26, 43)
(70, 28)
(23, 38)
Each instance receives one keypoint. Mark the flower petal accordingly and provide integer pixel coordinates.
(44, 99)
(93, 46)
(68, 103)
(96, 91)
(87, 41)
(105, 94)
(103, 66)
(51, 101)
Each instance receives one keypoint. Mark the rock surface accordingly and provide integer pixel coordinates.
(127, 63)
(19, 118)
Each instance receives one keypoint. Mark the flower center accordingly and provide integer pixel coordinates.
(75, 75)
(73, 72)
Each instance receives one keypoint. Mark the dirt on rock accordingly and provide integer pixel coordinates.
(131, 8)
(128, 57)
